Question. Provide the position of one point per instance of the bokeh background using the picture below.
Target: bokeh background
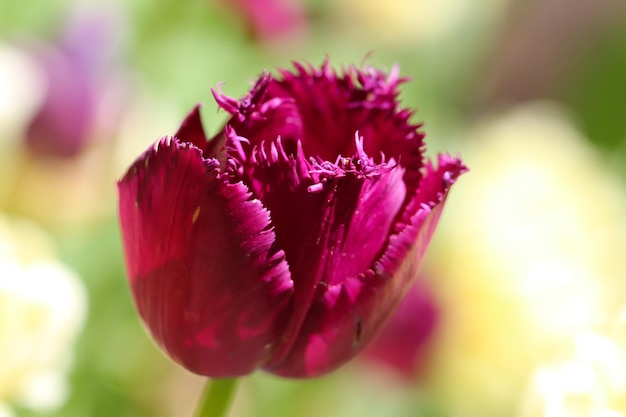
(520, 309)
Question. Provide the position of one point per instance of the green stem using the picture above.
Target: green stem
(216, 397)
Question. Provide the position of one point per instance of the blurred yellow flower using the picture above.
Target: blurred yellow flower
(42, 308)
(537, 233)
(407, 21)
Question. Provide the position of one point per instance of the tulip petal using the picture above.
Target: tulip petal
(334, 106)
(261, 118)
(324, 110)
(190, 236)
(350, 314)
(332, 220)
(191, 129)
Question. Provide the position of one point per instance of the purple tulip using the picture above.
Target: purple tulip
(286, 241)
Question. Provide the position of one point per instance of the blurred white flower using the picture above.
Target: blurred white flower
(42, 308)
(590, 381)
(536, 233)
(5, 411)
(22, 88)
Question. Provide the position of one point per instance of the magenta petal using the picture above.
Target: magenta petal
(337, 218)
(349, 315)
(261, 118)
(191, 129)
(193, 243)
(333, 230)
(323, 110)
(331, 107)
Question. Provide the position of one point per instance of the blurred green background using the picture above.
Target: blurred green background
(532, 94)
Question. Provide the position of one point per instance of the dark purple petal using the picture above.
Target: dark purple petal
(324, 110)
(206, 282)
(331, 219)
(332, 222)
(351, 313)
(192, 131)
(333, 107)
(262, 119)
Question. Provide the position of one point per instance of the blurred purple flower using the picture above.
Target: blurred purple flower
(403, 343)
(74, 68)
(281, 243)
(62, 124)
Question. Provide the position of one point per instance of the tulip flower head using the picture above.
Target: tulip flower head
(286, 241)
